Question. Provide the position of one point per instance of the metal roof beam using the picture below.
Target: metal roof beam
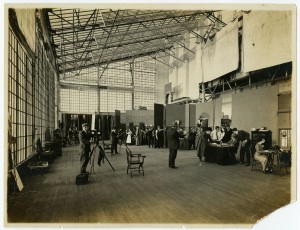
(73, 61)
(117, 45)
(108, 61)
(104, 46)
(54, 31)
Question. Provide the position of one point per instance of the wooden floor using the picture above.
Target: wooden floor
(191, 194)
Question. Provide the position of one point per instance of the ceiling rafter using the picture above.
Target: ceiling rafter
(83, 38)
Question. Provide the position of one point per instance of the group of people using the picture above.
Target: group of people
(72, 136)
(203, 136)
(155, 138)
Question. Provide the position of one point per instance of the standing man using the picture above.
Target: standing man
(244, 139)
(137, 136)
(227, 134)
(149, 136)
(159, 138)
(84, 147)
(216, 134)
(114, 140)
(173, 143)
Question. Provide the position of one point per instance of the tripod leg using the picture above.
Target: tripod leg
(109, 163)
(92, 170)
(101, 151)
(92, 165)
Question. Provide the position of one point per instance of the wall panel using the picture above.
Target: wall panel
(256, 108)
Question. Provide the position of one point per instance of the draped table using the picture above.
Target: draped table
(222, 154)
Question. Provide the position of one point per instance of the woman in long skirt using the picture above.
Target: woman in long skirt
(129, 134)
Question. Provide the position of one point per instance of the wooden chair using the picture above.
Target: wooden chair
(254, 162)
(106, 147)
(135, 162)
(44, 155)
(283, 161)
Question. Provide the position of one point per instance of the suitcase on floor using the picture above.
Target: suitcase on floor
(38, 166)
(82, 178)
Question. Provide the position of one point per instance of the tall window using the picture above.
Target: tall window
(285, 138)
(20, 99)
(118, 86)
(30, 97)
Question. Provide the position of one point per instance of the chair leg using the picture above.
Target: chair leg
(141, 167)
(280, 170)
(253, 164)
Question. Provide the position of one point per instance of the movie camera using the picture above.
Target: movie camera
(96, 136)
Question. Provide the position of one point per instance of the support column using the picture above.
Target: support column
(132, 83)
(98, 91)
(203, 87)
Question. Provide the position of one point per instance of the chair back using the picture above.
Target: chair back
(39, 146)
(128, 154)
(284, 159)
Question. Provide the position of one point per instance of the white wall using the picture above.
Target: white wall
(187, 75)
(162, 78)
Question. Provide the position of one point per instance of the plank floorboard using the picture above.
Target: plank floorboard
(191, 194)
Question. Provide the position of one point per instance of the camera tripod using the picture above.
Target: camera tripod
(101, 157)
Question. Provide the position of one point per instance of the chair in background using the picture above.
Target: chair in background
(254, 162)
(106, 147)
(135, 162)
(283, 160)
(44, 154)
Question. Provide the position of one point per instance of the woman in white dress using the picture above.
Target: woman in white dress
(129, 134)
(259, 154)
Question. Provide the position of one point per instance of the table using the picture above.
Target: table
(221, 154)
(270, 158)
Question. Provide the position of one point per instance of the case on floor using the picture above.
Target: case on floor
(38, 166)
(82, 178)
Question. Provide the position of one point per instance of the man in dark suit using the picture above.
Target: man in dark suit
(227, 136)
(84, 147)
(114, 141)
(173, 143)
(244, 138)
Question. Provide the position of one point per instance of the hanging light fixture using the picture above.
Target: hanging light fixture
(198, 40)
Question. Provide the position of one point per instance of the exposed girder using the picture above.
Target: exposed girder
(83, 38)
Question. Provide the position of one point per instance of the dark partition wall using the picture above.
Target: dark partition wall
(85, 118)
(158, 115)
(175, 112)
(117, 118)
(106, 127)
(75, 121)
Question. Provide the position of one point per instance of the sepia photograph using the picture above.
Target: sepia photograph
(139, 115)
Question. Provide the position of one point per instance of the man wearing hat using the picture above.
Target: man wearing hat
(84, 147)
(173, 143)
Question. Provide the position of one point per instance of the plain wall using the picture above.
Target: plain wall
(212, 109)
(256, 108)
(138, 116)
(162, 78)
(192, 115)
(176, 112)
